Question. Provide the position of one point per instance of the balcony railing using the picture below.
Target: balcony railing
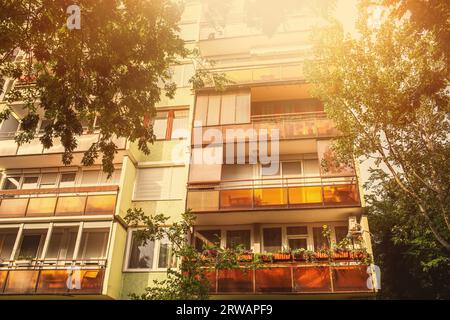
(282, 193)
(57, 202)
(289, 126)
(82, 277)
(294, 278)
(9, 147)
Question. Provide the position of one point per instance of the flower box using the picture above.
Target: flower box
(322, 256)
(341, 255)
(245, 257)
(282, 257)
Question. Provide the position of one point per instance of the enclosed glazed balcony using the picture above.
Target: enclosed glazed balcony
(274, 193)
(53, 258)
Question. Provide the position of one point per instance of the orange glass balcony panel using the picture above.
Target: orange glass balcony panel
(70, 205)
(91, 281)
(53, 281)
(305, 195)
(3, 276)
(104, 204)
(201, 201)
(236, 199)
(13, 207)
(341, 194)
(41, 207)
(273, 280)
(210, 276)
(235, 280)
(350, 278)
(21, 281)
(268, 197)
(312, 279)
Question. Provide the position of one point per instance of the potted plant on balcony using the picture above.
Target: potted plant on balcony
(283, 255)
(24, 261)
(246, 256)
(209, 254)
(323, 254)
(264, 257)
(303, 254)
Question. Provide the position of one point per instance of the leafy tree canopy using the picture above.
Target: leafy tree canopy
(387, 92)
(115, 67)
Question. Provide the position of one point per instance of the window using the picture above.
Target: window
(171, 124)
(90, 177)
(230, 108)
(7, 240)
(62, 243)
(238, 237)
(93, 244)
(30, 182)
(159, 184)
(31, 244)
(297, 237)
(181, 74)
(292, 169)
(149, 255)
(180, 124)
(11, 183)
(206, 238)
(67, 179)
(320, 242)
(48, 180)
(340, 233)
(237, 171)
(272, 239)
(44, 124)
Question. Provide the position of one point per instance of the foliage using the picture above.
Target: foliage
(386, 92)
(188, 280)
(414, 265)
(114, 68)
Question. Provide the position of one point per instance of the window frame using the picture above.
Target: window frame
(156, 253)
(169, 126)
(223, 233)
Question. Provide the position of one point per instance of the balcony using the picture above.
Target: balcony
(80, 280)
(290, 126)
(74, 201)
(291, 278)
(273, 193)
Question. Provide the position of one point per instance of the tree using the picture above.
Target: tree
(386, 92)
(115, 67)
(414, 265)
(187, 277)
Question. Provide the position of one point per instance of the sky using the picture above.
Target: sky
(346, 13)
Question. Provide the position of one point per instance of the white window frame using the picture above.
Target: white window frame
(156, 253)
(223, 232)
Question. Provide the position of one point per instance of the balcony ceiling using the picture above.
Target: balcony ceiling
(277, 216)
(283, 92)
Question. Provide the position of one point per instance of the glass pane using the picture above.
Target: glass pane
(340, 233)
(320, 242)
(13, 207)
(114, 179)
(201, 109)
(180, 124)
(62, 243)
(292, 169)
(41, 206)
(228, 112)
(164, 253)
(212, 239)
(297, 244)
(21, 281)
(104, 204)
(70, 205)
(305, 195)
(342, 194)
(11, 183)
(141, 255)
(311, 168)
(90, 177)
(297, 230)
(67, 179)
(160, 125)
(231, 199)
(237, 171)
(238, 237)
(203, 200)
(48, 180)
(7, 240)
(272, 239)
(213, 110)
(30, 182)
(93, 244)
(270, 197)
(243, 108)
(31, 245)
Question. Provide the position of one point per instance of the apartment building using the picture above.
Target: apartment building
(62, 231)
